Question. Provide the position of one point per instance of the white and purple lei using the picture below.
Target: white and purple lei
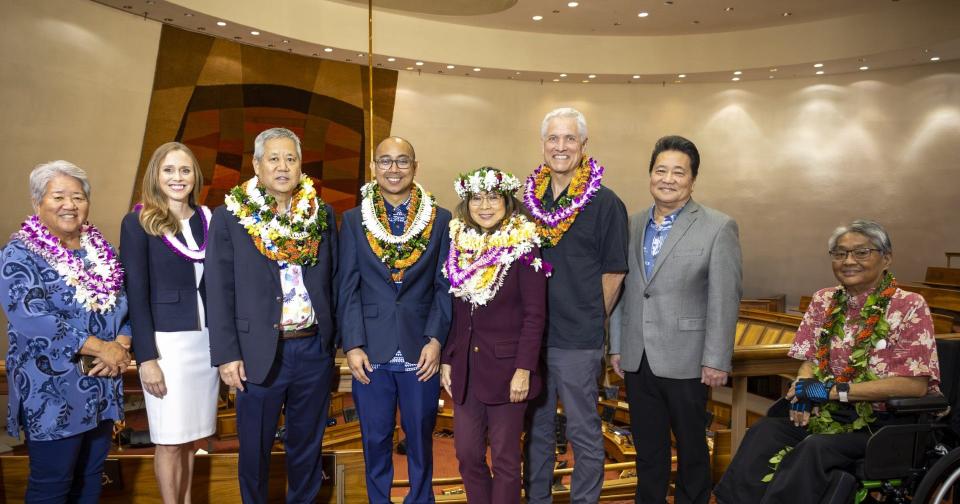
(561, 213)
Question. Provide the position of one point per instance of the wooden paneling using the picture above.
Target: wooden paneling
(943, 277)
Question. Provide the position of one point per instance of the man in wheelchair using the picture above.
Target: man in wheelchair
(861, 343)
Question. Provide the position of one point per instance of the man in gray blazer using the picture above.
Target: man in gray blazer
(671, 336)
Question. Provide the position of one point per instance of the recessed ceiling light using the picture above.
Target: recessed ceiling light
(450, 67)
(682, 75)
(537, 18)
(573, 4)
(935, 58)
(818, 65)
(254, 32)
(419, 63)
(476, 69)
(735, 79)
(643, 14)
(728, 9)
(774, 69)
(678, 82)
(585, 81)
(770, 77)
(864, 67)
(819, 72)
(221, 23)
(327, 49)
(391, 60)
(787, 14)
(592, 76)
(563, 75)
(409, 68)
(360, 55)
(188, 14)
(285, 41)
(556, 80)
(636, 76)
(518, 73)
(738, 72)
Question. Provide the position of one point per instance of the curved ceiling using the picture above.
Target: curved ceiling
(749, 42)
(443, 8)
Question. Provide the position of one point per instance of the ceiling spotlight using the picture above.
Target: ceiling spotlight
(643, 14)
(359, 55)
(682, 75)
(735, 79)
(585, 81)
(254, 32)
(537, 18)
(738, 72)
(450, 67)
(285, 41)
(563, 75)
(818, 65)
(935, 58)
(221, 23)
(327, 49)
(864, 67)
(409, 68)
(419, 63)
(787, 14)
(592, 76)
(573, 4)
(770, 77)
(556, 80)
(391, 59)
(774, 69)
(636, 76)
(819, 72)
(728, 9)
(476, 69)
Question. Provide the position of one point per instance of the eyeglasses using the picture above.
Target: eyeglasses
(860, 254)
(493, 200)
(402, 162)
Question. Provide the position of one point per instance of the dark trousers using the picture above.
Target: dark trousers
(657, 406)
(68, 469)
(298, 383)
(804, 473)
(376, 404)
(473, 423)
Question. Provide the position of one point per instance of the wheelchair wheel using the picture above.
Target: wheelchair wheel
(940, 482)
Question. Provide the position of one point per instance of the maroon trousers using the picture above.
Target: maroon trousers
(473, 424)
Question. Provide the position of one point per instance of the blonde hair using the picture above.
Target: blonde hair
(155, 216)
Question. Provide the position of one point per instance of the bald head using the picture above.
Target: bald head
(394, 144)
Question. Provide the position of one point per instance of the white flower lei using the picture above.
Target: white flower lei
(471, 281)
(485, 180)
(270, 230)
(375, 227)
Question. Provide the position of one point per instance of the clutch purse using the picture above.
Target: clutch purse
(85, 364)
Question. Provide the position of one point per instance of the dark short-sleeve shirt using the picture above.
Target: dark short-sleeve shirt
(595, 244)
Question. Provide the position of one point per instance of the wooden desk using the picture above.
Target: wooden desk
(621, 410)
(618, 447)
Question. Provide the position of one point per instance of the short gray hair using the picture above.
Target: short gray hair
(271, 134)
(565, 112)
(44, 173)
(877, 235)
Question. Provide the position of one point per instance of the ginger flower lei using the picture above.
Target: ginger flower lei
(292, 237)
(553, 224)
(397, 252)
(97, 285)
(479, 262)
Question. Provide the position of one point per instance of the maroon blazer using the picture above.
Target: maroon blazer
(496, 339)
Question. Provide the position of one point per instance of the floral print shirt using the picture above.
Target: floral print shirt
(910, 348)
(297, 310)
(49, 398)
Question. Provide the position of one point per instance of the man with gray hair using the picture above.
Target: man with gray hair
(583, 228)
(270, 293)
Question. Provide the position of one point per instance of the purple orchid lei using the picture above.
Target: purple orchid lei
(459, 276)
(561, 212)
(97, 286)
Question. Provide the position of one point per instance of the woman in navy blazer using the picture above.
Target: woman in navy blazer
(490, 361)
(162, 248)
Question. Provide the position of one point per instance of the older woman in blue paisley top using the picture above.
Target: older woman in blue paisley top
(61, 287)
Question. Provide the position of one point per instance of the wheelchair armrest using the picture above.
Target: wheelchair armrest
(930, 403)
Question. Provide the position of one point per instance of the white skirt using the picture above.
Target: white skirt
(189, 410)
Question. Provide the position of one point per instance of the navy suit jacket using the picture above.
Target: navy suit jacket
(245, 298)
(372, 313)
(489, 343)
(161, 287)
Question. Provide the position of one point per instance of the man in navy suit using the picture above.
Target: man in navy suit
(394, 315)
(269, 287)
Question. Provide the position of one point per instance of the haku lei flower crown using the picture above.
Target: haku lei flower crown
(285, 237)
(485, 179)
(553, 224)
(174, 244)
(96, 286)
(397, 252)
(479, 262)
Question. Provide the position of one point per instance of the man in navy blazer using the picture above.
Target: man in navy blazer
(271, 321)
(394, 315)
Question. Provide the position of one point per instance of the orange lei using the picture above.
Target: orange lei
(400, 264)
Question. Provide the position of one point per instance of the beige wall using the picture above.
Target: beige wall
(789, 159)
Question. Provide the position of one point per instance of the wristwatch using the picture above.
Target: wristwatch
(843, 389)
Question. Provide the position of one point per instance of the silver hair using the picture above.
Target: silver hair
(877, 235)
(565, 112)
(44, 173)
(270, 134)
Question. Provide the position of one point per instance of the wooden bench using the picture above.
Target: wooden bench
(948, 278)
(944, 299)
(772, 304)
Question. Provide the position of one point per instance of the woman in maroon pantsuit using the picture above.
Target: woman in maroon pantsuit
(490, 360)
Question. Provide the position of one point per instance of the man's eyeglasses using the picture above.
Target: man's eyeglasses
(402, 162)
(860, 254)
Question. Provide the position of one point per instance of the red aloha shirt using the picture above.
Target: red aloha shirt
(910, 348)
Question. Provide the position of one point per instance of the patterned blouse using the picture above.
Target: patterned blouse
(49, 398)
(910, 348)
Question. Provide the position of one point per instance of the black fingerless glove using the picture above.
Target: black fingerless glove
(812, 390)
